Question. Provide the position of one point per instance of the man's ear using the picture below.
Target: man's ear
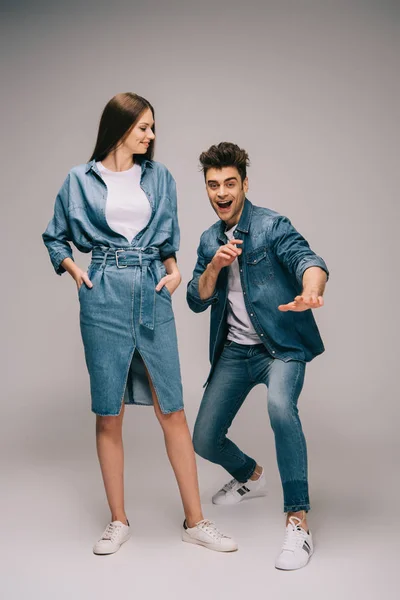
(246, 185)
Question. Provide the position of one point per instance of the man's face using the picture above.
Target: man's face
(226, 193)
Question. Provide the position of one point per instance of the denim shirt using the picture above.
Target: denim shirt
(79, 214)
(271, 266)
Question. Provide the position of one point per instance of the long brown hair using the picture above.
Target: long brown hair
(119, 116)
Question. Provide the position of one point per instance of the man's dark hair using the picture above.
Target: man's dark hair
(223, 155)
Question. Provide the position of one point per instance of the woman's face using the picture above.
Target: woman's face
(138, 139)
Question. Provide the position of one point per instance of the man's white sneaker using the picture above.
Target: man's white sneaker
(115, 534)
(297, 547)
(234, 491)
(206, 534)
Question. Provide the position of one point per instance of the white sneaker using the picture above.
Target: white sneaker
(115, 534)
(297, 547)
(206, 534)
(234, 491)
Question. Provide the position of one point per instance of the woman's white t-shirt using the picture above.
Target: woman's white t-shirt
(128, 210)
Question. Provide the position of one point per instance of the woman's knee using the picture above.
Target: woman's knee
(172, 420)
(108, 425)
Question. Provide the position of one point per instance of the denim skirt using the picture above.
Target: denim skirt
(127, 328)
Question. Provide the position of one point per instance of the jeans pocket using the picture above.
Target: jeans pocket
(90, 273)
(166, 290)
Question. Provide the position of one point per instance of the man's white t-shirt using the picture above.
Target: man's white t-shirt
(128, 210)
(241, 329)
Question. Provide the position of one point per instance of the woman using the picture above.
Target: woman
(122, 207)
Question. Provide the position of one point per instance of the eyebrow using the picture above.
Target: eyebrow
(225, 180)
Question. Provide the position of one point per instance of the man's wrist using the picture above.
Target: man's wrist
(312, 291)
(212, 269)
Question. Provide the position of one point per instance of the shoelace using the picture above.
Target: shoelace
(294, 536)
(230, 485)
(110, 531)
(210, 528)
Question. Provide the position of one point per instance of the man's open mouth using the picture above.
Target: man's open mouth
(225, 204)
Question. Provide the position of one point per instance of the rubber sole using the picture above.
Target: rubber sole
(216, 547)
(114, 551)
(295, 568)
(260, 495)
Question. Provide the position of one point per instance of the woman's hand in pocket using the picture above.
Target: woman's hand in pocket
(76, 273)
(171, 282)
(82, 278)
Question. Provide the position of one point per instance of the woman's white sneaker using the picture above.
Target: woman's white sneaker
(297, 547)
(205, 533)
(234, 491)
(115, 534)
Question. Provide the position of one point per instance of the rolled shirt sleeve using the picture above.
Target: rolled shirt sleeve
(194, 301)
(171, 246)
(292, 249)
(58, 235)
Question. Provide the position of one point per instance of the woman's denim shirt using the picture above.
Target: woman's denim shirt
(79, 214)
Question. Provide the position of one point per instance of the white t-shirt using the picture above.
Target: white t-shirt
(241, 329)
(128, 209)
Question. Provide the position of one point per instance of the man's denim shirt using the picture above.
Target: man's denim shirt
(79, 214)
(271, 265)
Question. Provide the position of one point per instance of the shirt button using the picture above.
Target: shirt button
(261, 334)
(273, 351)
(241, 270)
(251, 314)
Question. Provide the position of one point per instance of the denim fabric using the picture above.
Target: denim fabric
(115, 315)
(79, 214)
(238, 370)
(272, 265)
(124, 321)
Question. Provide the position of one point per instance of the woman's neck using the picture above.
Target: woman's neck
(118, 160)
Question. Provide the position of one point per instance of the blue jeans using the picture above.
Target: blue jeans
(238, 370)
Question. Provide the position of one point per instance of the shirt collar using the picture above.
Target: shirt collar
(144, 163)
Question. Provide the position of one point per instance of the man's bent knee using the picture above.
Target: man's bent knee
(204, 445)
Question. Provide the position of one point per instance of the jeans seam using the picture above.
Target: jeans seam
(161, 404)
(302, 441)
(126, 380)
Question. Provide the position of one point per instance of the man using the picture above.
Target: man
(261, 279)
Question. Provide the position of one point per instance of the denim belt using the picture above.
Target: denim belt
(134, 257)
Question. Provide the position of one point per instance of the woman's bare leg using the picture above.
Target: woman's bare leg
(110, 451)
(178, 443)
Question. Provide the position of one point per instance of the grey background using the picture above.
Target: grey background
(311, 90)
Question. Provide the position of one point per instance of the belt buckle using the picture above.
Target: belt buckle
(117, 261)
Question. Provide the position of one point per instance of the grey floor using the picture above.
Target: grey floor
(53, 509)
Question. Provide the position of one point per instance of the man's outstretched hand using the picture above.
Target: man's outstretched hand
(303, 302)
